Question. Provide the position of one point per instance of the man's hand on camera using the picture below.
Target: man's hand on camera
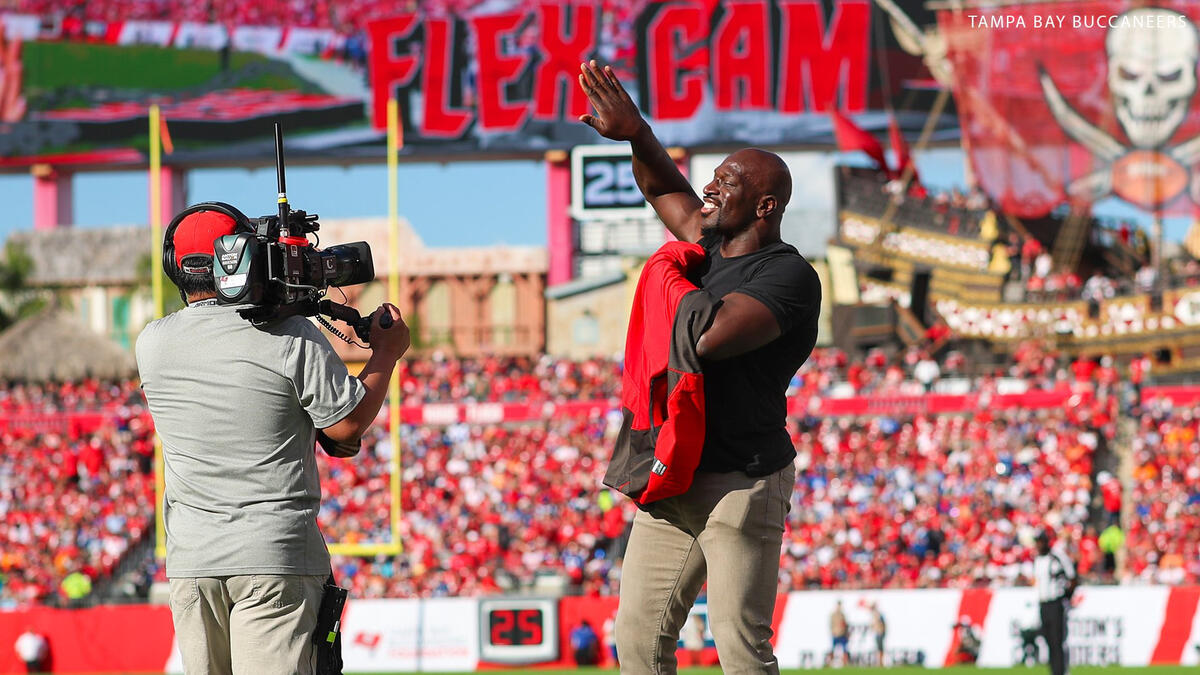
(387, 346)
(394, 340)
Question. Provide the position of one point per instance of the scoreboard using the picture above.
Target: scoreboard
(602, 184)
(613, 220)
(518, 631)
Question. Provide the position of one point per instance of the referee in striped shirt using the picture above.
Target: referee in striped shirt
(1054, 574)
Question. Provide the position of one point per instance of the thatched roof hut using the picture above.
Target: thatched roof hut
(52, 346)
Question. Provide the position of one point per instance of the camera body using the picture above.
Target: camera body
(274, 267)
(271, 270)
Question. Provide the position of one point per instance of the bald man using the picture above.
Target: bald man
(728, 527)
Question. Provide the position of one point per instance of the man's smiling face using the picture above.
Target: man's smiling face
(729, 205)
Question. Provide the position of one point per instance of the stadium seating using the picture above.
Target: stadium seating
(71, 502)
(891, 500)
(936, 501)
(440, 379)
(485, 508)
(1163, 544)
(910, 502)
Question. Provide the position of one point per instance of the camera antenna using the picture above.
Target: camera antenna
(284, 209)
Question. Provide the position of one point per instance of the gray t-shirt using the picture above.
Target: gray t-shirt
(237, 408)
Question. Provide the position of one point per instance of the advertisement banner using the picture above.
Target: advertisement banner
(1126, 625)
(918, 632)
(440, 414)
(704, 72)
(120, 638)
(411, 635)
(1012, 626)
(1181, 642)
(1074, 102)
(1106, 625)
(600, 613)
(1176, 395)
(500, 76)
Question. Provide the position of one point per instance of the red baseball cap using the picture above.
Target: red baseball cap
(196, 232)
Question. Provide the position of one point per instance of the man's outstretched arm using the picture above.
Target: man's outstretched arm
(618, 118)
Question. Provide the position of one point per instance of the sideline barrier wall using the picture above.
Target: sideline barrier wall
(402, 634)
(120, 638)
(1126, 625)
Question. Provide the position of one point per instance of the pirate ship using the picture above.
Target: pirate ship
(1061, 105)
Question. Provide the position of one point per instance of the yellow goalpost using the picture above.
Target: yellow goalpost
(394, 142)
(394, 546)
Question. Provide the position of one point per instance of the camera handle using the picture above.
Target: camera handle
(360, 324)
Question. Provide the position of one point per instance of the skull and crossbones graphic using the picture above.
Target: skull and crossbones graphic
(1152, 59)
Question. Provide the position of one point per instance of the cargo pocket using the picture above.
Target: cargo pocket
(185, 591)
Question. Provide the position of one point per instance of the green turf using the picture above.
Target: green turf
(50, 65)
(907, 670)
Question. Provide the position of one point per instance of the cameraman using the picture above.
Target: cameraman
(238, 408)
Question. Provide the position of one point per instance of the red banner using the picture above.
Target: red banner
(73, 424)
(1180, 395)
(933, 404)
(1074, 102)
(780, 57)
(496, 413)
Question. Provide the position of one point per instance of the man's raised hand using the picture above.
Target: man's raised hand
(616, 115)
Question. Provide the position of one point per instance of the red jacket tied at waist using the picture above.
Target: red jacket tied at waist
(662, 394)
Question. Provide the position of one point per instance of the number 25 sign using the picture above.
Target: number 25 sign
(602, 184)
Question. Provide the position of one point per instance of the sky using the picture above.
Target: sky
(461, 204)
(448, 204)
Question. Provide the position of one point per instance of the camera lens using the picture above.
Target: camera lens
(347, 264)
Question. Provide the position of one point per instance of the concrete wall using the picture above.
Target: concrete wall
(591, 323)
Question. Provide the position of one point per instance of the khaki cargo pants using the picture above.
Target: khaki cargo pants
(727, 528)
(246, 625)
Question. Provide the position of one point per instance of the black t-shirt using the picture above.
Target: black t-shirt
(745, 396)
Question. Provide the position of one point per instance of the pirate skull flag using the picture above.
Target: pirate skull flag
(1071, 102)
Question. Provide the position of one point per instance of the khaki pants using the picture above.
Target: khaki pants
(246, 625)
(727, 528)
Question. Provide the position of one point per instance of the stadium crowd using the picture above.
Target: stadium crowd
(441, 379)
(891, 500)
(1163, 543)
(71, 502)
(88, 395)
(888, 502)
(485, 508)
(924, 501)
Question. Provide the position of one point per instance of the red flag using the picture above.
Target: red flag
(851, 138)
(168, 146)
(903, 158)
